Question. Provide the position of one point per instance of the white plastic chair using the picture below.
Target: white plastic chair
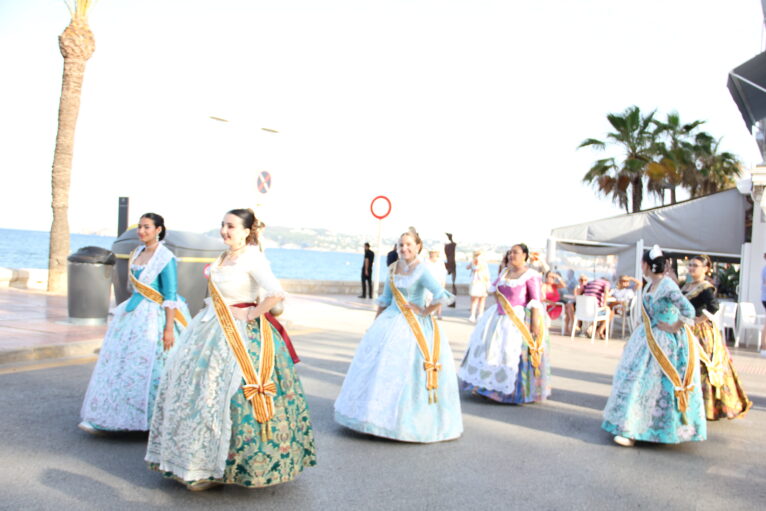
(627, 312)
(587, 309)
(748, 319)
(562, 316)
(728, 319)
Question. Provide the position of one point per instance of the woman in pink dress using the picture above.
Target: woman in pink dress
(508, 355)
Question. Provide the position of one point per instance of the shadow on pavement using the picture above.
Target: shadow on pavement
(575, 374)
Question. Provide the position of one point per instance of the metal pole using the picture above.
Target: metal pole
(375, 284)
(122, 215)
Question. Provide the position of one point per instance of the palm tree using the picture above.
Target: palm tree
(716, 170)
(77, 45)
(623, 179)
(675, 161)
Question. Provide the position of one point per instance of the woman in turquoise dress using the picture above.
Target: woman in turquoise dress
(122, 388)
(402, 383)
(230, 408)
(656, 394)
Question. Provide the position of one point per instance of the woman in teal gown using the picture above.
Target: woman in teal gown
(644, 404)
(123, 386)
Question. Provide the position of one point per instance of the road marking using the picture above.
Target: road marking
(48, 365)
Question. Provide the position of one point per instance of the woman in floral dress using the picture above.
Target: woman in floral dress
(230, 408)
(123, 386)
(656, 394)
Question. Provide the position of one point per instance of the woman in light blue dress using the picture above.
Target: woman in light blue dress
(402, 383)
(645, 405)
(122, 388)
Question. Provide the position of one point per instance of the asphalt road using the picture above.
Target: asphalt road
(549, 456)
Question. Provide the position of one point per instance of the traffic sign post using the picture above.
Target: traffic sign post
(386, 203)
(264, 182)
(263, 185)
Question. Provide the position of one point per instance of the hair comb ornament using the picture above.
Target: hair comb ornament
(655, 252)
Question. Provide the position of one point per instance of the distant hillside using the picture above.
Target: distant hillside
(323, 239)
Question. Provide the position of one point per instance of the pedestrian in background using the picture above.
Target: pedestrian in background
(478, 286)
(369, 257)
(391, 257)
(451, 265)
(438, 269)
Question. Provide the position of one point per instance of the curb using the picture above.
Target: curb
(51, 352)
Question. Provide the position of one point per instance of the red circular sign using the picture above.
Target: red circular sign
(372, 207)
(264, 182)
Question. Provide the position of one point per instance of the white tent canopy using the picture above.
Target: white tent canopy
(714, 225)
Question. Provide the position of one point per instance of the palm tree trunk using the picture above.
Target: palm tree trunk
(673, 194)
(77, 45)
(637, 193)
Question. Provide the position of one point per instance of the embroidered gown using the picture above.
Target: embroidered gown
(497, 364)
(384, 392)
(642, 405)
(203, 428)
(728, 398)
(122, 388)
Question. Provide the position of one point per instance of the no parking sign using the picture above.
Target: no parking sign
(264, 181)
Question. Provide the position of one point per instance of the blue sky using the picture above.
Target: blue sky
(467, 114)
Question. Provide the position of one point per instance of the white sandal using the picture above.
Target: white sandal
(623, 441)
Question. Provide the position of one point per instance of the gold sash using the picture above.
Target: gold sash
(152, 294)
(259, 388)
(715, 364)
(681, 388)
(535, 346)
(431, 361)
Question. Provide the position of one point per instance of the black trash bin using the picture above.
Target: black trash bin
(89, 283)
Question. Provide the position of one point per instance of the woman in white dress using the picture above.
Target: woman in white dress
(230, 408)
(478, 287)
(122, 388)
(401, 383)
(438, 270)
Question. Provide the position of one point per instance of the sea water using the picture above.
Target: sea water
(29, 249)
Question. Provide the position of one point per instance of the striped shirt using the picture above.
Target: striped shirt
(597, 288)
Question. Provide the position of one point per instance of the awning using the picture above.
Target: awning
(714, 224)
(747, 85)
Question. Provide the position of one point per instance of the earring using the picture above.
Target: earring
(157, 237)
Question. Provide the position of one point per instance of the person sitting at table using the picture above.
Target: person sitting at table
(599, 288)
(622, 295)
(550, 293)
(569, 308)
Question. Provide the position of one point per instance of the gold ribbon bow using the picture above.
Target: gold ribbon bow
(259, 388)
(681, 388)
(432, 374)
(431, 364)
(535, 346)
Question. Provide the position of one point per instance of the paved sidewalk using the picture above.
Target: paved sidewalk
(34, 326)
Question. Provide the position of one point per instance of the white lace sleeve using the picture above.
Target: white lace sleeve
(260, 271)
